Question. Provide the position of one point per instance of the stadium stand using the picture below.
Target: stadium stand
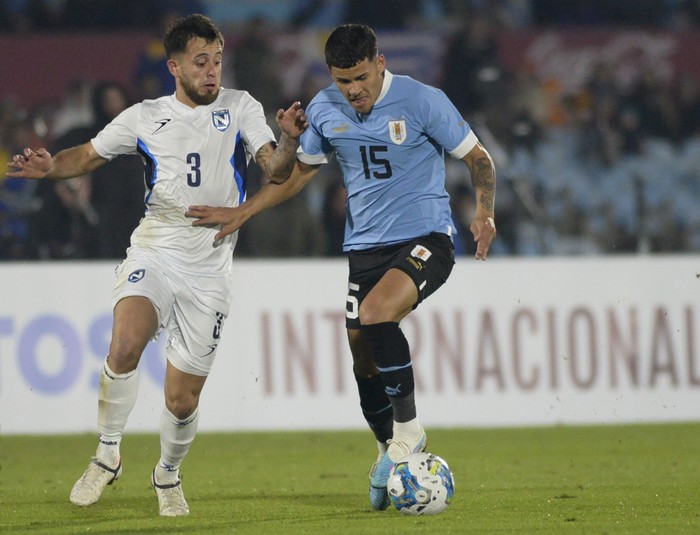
(592, 114)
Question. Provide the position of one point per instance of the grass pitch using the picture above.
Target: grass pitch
(634, 479)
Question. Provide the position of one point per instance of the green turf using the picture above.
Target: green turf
(634, 479)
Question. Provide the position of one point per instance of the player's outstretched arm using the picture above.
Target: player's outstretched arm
(278, 160)
(270, 195)
(483, 174)
(68, 163)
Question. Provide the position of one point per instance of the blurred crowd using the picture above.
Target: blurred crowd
(610, 167)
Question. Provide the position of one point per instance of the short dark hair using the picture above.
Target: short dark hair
(186, 28)
(350, 44)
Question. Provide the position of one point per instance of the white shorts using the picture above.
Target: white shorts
(191, 309)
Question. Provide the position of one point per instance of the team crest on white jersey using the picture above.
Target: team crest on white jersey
(221, 119)
(136, 275)
(397, 131)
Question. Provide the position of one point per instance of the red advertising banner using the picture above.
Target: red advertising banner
(569, 56)
(40, 68)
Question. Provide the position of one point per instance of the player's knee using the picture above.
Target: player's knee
(182, 407)
(372, 312)
(122, 358)
(365, 368)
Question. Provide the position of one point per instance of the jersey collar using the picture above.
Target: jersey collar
(388, 77)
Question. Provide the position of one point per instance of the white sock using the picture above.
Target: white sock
(381, 448)
(116, 399)
(176, 437)
(408, 430)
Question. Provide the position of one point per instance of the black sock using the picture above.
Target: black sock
(393, 358)
(376, 407)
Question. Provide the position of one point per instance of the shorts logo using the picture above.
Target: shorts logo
(221, 119)
(217, 326)
(137, 275)
(397, 131)
(421, 252)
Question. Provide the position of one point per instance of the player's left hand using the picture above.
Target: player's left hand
(229, 219)
(30, 164)
(292, 121)
(484, 231)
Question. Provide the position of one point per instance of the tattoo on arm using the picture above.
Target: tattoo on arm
(280, 162)
(484, 181)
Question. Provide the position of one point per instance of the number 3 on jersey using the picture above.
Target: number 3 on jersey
(194, 176)
(369, 155)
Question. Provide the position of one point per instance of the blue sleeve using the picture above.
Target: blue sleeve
(442, 120)
(313, 141)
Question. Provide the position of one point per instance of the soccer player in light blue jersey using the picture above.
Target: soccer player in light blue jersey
(390, 134)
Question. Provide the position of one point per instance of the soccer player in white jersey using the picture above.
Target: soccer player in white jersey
(196, 145)
(390, 134)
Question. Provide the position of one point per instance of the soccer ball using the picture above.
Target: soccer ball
(421, 484)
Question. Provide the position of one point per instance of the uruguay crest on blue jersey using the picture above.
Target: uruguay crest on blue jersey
(397, 131)
(221, 119)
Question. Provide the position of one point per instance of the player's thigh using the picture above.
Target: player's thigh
(428, 261)
(365, 268)
(196, 326)
(391, 299)
(145, 275)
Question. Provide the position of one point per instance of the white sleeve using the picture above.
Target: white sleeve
(318, 159)
(465, 146)
(119, 136)
(254, 128)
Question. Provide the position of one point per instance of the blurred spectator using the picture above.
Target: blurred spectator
(256, 66)
(387, 14)
(687, 96)
(118, 188)
(462, 204)
(318, 13)
(599, 12)
(92, 216)
(17, 199)
(152, 77)
(65, 228)
(654, 103)
(472, 76)
(75, 110)
(290, 230)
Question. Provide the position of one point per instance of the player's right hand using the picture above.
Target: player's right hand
(30, 164)
(293, 120)
(484, 231)
(229, 219)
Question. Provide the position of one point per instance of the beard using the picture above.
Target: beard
(198, 98)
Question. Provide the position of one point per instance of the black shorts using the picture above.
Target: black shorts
(427, 260)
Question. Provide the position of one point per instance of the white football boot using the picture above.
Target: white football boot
(171, 499)
(88, 489)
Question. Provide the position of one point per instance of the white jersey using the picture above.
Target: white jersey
(192, 156)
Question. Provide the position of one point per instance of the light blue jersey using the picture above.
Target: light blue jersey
(392, 159)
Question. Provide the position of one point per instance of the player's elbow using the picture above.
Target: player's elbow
(278, 179)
